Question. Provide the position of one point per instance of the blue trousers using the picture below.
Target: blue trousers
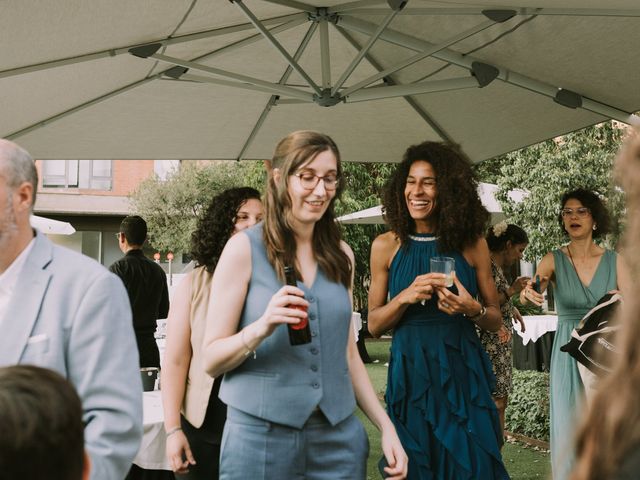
(253, 448)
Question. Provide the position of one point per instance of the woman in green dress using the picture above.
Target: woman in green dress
(581, 273)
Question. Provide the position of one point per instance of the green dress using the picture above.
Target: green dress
(567, 392)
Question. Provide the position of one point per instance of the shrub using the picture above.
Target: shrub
(528, 409)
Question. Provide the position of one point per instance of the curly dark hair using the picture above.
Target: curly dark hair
(594, 203)
(215, 226)
(513, 234)
(460, 216)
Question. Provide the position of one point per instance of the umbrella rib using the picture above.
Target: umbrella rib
(112, 52)
(377, 93)
(416, 58)
(274, 98)
(345, 7)
(78, 108)
(281, 89)
(412, 103)
(363, 51)
(576, 12)
(465, 61)
(271, 39)
(305, 7)
(325, 57)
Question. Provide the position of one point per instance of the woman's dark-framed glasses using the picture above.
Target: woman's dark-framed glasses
(580, 212)
(309, 180)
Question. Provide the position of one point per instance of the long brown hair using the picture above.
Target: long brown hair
(611, 429)
(292, 152)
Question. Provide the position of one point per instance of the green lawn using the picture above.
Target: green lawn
(522, 462)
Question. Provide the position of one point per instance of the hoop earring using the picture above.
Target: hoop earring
(595, 227)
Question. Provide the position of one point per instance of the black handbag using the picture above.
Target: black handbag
(593, 342)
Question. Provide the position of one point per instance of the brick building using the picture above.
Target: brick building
(92, 195)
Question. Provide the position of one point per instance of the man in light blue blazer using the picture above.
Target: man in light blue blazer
(61, 310)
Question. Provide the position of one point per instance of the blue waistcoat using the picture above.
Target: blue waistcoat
(285, 383)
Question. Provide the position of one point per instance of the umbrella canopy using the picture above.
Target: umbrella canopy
(50, 226)
(223, 79)
(486, 191)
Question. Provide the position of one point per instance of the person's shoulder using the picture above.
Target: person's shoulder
(476, 247)
(346, 248)
(76, 261)
(75, 266)
(387, 240)
(240, 243)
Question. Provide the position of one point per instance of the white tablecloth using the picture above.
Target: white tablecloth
(536, 326)
(151, 455)
(356, 322)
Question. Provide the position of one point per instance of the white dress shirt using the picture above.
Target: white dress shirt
(9, 278)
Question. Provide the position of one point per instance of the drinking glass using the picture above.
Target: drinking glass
(446, 265)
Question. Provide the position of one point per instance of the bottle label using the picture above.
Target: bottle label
(303, 321)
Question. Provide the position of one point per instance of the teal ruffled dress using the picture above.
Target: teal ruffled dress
(440, 380)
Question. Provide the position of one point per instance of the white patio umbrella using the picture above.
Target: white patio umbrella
(221, 79)
(50, 226)
(486, 191)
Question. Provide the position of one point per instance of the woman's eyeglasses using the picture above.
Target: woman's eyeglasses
(580, 212)
(309, 180)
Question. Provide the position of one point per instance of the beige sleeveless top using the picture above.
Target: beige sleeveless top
(199, 383)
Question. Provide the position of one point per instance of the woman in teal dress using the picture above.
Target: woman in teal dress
(440, 378)
(581, 273)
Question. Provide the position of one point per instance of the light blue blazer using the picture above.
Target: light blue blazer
(70, 314)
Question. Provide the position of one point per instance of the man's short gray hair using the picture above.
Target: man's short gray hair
(18, 166)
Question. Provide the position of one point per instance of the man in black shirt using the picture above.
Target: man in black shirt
(146, 284)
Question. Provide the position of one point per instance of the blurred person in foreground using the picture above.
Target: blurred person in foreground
(506, 243)
(581, 272)
(42, 434)
(608, 441)
(290, 408)
(193, 414)
(440, 379)
(62, 310)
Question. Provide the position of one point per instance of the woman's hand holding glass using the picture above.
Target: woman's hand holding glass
(422, 288)
(286, 306)
(463, 302)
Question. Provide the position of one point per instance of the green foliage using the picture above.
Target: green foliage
(173, 206)
(528, 309)
(364, 182)
(528, 409)
(551, 168)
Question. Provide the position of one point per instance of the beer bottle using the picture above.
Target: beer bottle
(299, 333)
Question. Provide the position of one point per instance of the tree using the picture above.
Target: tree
(172, 207)
(548, 169)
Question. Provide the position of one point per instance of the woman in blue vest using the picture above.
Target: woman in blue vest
(291, 408)
(440, 379)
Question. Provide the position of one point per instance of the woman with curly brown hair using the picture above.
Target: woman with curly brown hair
(193, 414)
(440, 380)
